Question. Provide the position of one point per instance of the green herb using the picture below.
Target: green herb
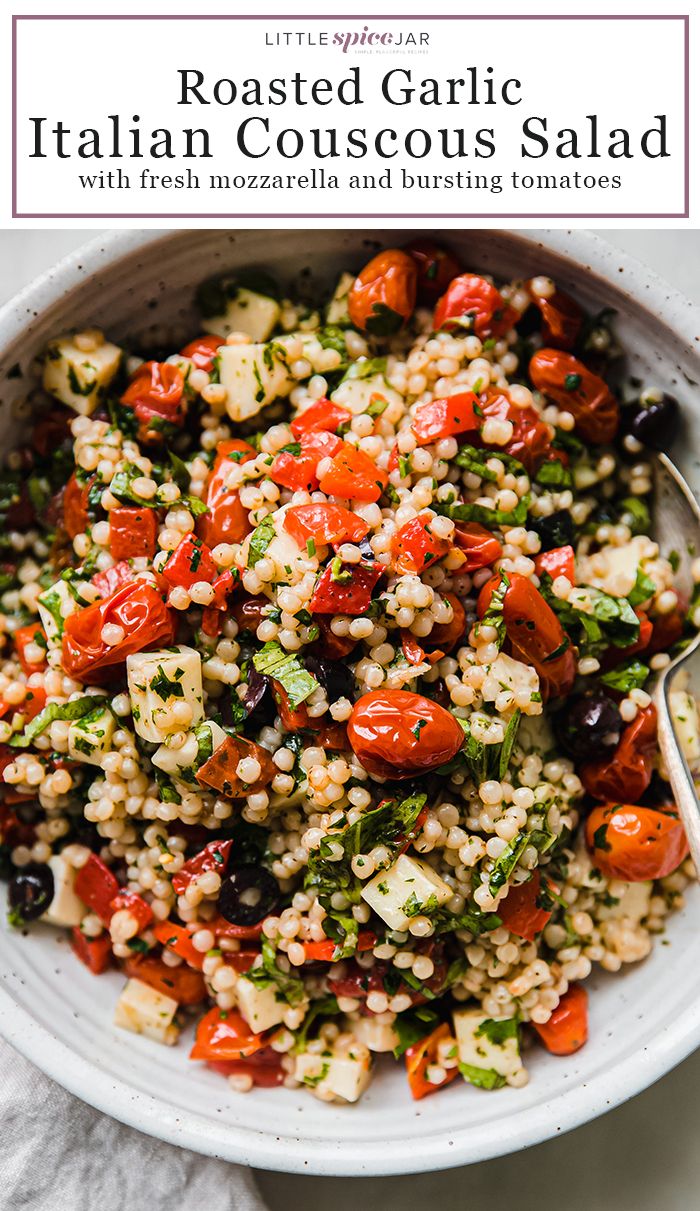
(612, 621)
(473, 460)
(483, 514)
(572, 382)
(367, 368)
(288, 670)
(504, 866)
(493, 616)
(139, 945)
(339, 573)
(644, 588)
(322, 1008)
(165, 687)
(196, 506)
(377, 406)
(483, 1078)
(496, 1032)
(412, 1026)
(260, 540)
(289, 988)
(312, 1081)
(55, 710)
(507, 745)
(554, 474)
(634, 512)
(631, 675)
(383, 321)
(600, 838)
(310, 547)
(181, 475)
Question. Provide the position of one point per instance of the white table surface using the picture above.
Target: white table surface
(643, 1156)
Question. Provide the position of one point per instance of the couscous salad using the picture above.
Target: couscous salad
(325, 722)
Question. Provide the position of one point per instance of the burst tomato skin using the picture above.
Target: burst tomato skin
(202, 351)
(520, 911)
(353, 596)
(155, 394)
(414, 547)
(534, 632)
(625, 775)
(561, 318)
(635, 843)
(322, 415)
(436, 266)
(479, 545)
(473, 303)
(575, 389)
(24, 636)
(225, 1035)
(138, 608)
(213, 856)
(227, 520)
(446, 635)
(397, 734)
(445, 417)
(383, 295)
(567, 1029)
(420, 1056)
(531, 441)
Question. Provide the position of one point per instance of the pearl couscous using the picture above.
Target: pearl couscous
(324, 699)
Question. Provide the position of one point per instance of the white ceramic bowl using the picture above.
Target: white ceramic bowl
(51, 1009)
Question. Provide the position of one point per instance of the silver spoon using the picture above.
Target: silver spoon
(677, 528)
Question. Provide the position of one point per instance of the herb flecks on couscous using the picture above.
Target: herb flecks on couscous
(324, 697)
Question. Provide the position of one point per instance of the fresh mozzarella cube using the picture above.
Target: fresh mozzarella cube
(182, 762)
(144, 1011)
(262, 1007)
(337, 310)
(254, 376)
(55, 604)
(65, 908)
(406, 889)
(614, 569)
(376, 1036)
(684, 712)
(272, 541)
(343, 1075)
(157, 681)
(246, 311)
(80, 379)
(632, 904)
(506, 673)
(487, 1048)
(356, 393)
(90, 738)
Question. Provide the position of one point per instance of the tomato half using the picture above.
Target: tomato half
(397, 734)
(414, 547)
(226, 520)
(626, 773)
(222, 1034)
(521, 912)
(383, 295)
(436, 266)
(575, 389)
(635, 843)
(203, 350)
(145, 619)
(534, 632)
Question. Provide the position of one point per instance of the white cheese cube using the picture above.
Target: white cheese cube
(65, 908)
(632, 904)
(55, 604)
(175, 761)
(345, 1076)
(684, 713)
(356, 393)
(79, 379)
(158, 680)
(246, 311)
(506, 673)
(254, 376)
(263, 1007)
(290, 562)
(90, 738)
(376, 1036)
(404, 890)
(337, 309)
(143, 1010)
(481, 1045)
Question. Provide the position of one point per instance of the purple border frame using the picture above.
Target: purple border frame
(684, 18)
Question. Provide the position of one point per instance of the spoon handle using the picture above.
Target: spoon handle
(679, 775)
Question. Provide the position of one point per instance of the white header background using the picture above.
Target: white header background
(82, 71)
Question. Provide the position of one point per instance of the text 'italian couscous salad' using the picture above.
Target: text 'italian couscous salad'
(323, 699)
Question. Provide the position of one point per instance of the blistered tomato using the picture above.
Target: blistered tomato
(635, 843)
(397, 734)
(383, 295)
(575, 389)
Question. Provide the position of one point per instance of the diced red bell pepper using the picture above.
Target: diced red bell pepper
(214, 856)
(75, 506)
(414, 547)
(321, 415)
(351, 596)
(567, 1029)
(184, 985)
(353, 475)
(423, 1055)
(324, 952)
(33, 633)
(222, 1034)
(95, 953)
(34, 703)
(557, 562)
(521, 912)
(114, 578)
(298, 471)
(96, 885)
(445, 417)
(132, 533)
(139, 908)
(203, 350)
(480, 546)
(413, 651)
(189, 562)
(227, 520)
(244, 933)
(324, 523)
(179, 940)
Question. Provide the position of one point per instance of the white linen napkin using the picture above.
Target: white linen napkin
(58, 1154)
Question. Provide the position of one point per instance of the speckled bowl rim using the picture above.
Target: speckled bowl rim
(148, 1113)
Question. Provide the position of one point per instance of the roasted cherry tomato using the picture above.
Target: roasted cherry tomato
(75, 506)
(436, 265)
(141, 613)
(95, 953)
(531, 441)
(561, 318)
(322, 415)
(131, 901)
(413, 651)
(521, 911)
(383, 296)
(23, 637)
(346, 589)
(445, 417)
(575, 389)
(113, 578)
(635, 843)
(625, 773)
(353, 475)
(155, 394)
(666, 630)
(132, 533)
(184, 985)
(419, 1057)
(222, 1034)
(558, 562)
(397, 734)
(179, 940)
(358, 981)
(445, 635)
(297, 470)
(227, 520)
(324, 952)
(567, 1029)
(203, 351)
(480, 546)
(219, 771)
(190, 562)
(534, 632)
(213, 856)
(414, 547)
(96, 885)
(323, 524)
(474, 305)
(264, 1068)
